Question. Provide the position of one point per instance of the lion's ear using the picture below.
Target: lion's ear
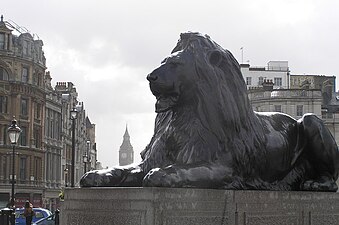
(215, 57)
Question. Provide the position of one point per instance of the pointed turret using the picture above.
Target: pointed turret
(5, 36)
(126, 135)
(126, 153)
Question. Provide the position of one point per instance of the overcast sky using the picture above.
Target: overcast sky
(107, 47)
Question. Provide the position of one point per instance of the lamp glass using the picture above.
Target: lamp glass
(14, 132)
(74, 113)
(85, 158)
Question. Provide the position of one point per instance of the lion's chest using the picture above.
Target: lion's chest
(178, 139)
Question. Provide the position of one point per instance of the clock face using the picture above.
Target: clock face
(123, 155)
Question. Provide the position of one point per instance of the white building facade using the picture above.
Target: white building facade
(276, 72)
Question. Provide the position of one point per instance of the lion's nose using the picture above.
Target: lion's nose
(152, 77)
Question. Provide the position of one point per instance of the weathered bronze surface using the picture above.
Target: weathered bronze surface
(207, 135)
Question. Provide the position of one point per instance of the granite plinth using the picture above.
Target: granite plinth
(171, 206)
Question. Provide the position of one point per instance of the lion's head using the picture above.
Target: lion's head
(201, 73)
(200, 79)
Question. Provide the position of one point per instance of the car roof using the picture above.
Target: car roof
(35, 209)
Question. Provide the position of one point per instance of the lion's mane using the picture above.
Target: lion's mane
(220, 122)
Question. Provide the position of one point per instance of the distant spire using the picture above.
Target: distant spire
(126, 135)
(126, 153)
(2, 18)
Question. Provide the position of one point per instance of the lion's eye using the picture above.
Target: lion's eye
(174, 64)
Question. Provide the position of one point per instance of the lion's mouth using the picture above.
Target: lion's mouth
(167, 96)
(165, 102)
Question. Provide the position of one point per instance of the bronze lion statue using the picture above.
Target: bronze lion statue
(206, 134)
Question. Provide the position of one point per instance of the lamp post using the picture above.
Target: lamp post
(73, 114)
(13, 133)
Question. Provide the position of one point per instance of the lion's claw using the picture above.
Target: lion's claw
(320, 185)
(157, 178)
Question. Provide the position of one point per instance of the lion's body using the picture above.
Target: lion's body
(207, 135)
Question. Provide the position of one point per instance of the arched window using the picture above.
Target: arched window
(3, 74)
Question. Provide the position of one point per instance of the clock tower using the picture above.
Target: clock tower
(126, 153)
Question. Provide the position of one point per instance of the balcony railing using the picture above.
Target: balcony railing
(283, 93)
(23, 183)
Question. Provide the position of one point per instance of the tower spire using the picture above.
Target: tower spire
(126, 153)
(126, 135)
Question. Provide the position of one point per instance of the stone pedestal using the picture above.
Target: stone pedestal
(164, 206)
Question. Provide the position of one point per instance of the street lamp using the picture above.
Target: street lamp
(73, 114)
(13, 133)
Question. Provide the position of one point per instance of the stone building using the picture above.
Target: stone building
(126, 153)
(53, 145)
(43, 153)
(84, 132)
(23, 95)
(324, 83)
(276, 72)
(294, 102)
(91, 146)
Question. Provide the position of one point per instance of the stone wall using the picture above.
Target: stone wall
(163, 206)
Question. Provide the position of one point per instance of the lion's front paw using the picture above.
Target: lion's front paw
(322, 184)
(159, 178)
(101, 178)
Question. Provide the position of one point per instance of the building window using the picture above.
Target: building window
(3, 104)
(25, 48)
(24, 77)
(329, 115)
(278, 81)
(3, 74)
(300, 110)
(261, 81)
(2, 40)
(37, 168)
(37, 111)
(277, 108)
(37, 138)
(24, 107)
(248, 80)
(23, 136)
(36, 79)
(22, 172)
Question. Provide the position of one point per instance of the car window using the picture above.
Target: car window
(39, 215)
(19, 214)
(50, 218)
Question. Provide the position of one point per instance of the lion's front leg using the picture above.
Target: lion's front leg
(206, 175)
(120, 176)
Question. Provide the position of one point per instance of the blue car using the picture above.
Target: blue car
(40, 213)
(50, 220)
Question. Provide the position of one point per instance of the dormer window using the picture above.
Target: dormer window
(25, 47)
